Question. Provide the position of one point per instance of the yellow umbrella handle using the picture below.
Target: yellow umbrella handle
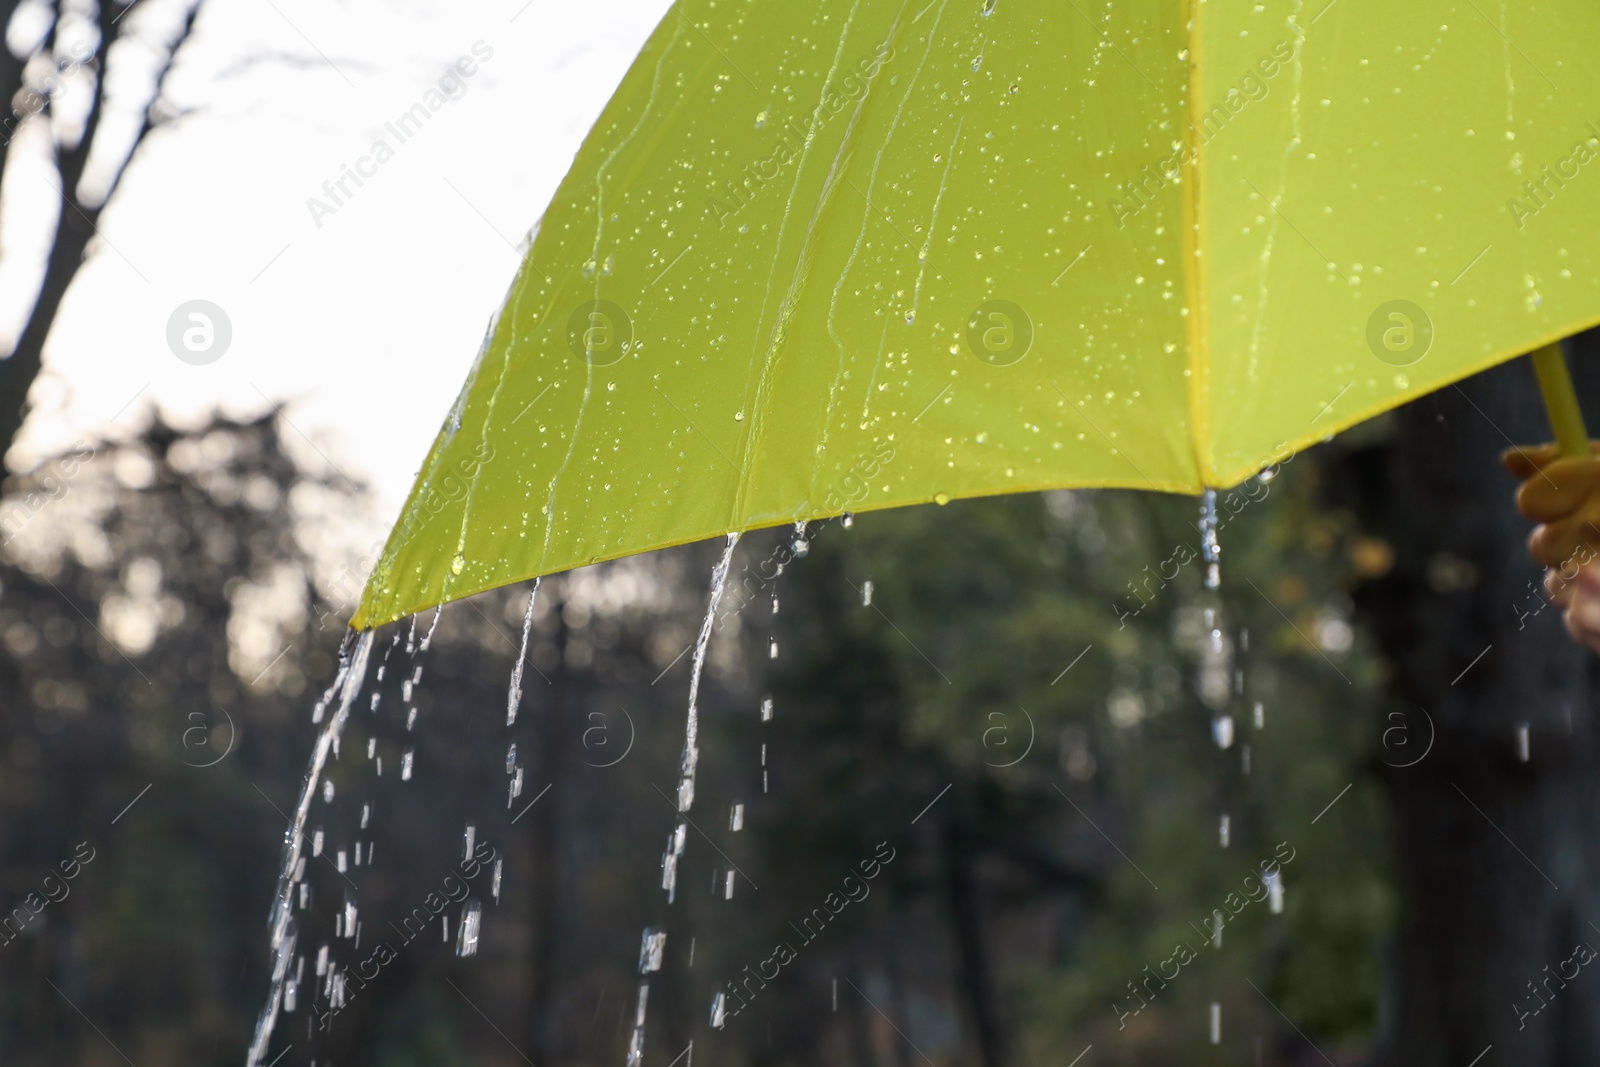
(1560, 400)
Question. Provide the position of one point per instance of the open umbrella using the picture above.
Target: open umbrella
(855, 254)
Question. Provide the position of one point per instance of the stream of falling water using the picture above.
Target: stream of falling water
(347, 683)
(514, 694)
(654, 940)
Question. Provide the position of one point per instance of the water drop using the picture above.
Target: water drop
(511, 758)
(1222, 731)
(467, 930)
(738, 416)
(1209, 548)
(866, 593)
(800, 545)
(1223, 829)
(766, 709)
(457, 563)
(327, 791)
(772, 649)
(736, 818)
(847, 520)
(406, 758)
(941, 499)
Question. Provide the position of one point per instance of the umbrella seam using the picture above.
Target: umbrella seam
(1197, 363)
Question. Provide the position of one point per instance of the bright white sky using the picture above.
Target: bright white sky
(367, 324)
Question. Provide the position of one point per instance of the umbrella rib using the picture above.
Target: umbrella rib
(1107, 440)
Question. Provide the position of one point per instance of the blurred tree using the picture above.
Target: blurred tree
(1496, 841)
(61, 71)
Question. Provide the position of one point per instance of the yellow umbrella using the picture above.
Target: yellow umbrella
(854, 254)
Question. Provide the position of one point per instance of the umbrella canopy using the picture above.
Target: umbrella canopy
(855, 254)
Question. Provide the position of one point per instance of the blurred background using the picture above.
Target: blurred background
(1340, 810)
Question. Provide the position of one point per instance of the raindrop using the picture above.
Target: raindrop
(866, 593)
(736, 818)
(941, 499)
(652, 947)
(1522, 742)
(327, 791)
(316, 842)
(719, 1011)
(511, 758)
(1222, 730)
(848, 520)
(494, 882)
(467, 929)
(469, 837)
(406, 758)
(1209, 548)
(1223, 829)
(1261, 716)
(772, 649)
(727, 892)
(411, 718)
(372, 747)
(1216, 1023)
(766, 709)
(1274, 881)
(800, 545)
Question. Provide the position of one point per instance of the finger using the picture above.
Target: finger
(1583, 621)
(1524, 461)
(1570, 543)
(1559, 488)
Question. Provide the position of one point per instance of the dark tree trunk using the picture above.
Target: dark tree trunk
(966, 912)
(75, 227)
(1497, 859)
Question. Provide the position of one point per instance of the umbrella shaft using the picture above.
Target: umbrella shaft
(1560, 400)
